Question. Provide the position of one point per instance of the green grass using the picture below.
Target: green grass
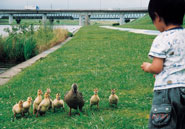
(56, 22)
(39, 22)
(143, 23)
(94, 58)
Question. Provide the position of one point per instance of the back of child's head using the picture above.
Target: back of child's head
(172, 11)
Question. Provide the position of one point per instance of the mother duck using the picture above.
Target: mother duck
(74, 99)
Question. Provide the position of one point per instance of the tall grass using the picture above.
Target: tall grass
(15, 46)
(1, 46)
(59, 36)
(23, 42)
(30, 48)
(47, 37)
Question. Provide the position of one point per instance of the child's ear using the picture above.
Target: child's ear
(157, 17)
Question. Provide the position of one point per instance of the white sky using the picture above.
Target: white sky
(75, 4)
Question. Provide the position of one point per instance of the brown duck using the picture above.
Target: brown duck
(74, 99)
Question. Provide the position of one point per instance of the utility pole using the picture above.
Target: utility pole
(67, 4)
(140, 3)
(100, 4)
(51, 5)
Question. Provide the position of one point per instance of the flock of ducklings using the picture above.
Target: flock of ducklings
(73, 99)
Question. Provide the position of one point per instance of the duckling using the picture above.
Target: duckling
(44, 105)
(57, 103)
(74, 99)
(113, 98)
(49, 91)
(95, 99)
(18, 108)
(37, 101)
(27, 105)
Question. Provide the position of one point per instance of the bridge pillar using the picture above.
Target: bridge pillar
(122, 19)
(81, 20)
(87, 20)
(51, 21)
(84, 19)
(44, 18)
(18, 20)
(10, 19)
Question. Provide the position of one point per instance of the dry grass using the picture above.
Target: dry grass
(51, 38)
(60, 36)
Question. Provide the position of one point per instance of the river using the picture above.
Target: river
(70, 28)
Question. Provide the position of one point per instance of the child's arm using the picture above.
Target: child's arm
(155, 67)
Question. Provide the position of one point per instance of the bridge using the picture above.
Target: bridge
(84, 16)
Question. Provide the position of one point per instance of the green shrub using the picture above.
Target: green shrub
(127, 20)
(43, 35)
(1, 47)
(115, 24)
(19, 45)
(69, 34)
(30, 48)
(9, 48)
(19, 48)
(13, 48)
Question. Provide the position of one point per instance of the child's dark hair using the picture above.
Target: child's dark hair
(172, 11)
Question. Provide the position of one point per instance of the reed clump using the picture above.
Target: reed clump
(25, 41)
(47, 37)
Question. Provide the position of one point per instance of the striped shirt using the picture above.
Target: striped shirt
(170, 45)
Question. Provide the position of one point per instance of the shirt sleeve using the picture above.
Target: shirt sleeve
(159, 47)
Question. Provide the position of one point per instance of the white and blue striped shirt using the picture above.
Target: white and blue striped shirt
(170, 45)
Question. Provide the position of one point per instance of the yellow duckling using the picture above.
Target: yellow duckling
(18, 108)
(48, 91)
(57, 103)
(113, 98)
(27, 105)
(44, 105)
(37, 101)
(95, 99)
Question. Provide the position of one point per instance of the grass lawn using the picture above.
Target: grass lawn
(39, 21)
(94, 58)
(56, 22)
(143, 23)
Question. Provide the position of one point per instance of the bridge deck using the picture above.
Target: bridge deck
(26, 11)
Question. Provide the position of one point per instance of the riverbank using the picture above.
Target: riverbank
(12, 69)
(9, 65)
(26, 41)
(5, 66)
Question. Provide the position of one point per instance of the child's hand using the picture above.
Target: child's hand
(146, 66)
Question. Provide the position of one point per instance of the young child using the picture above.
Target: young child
(168, 63)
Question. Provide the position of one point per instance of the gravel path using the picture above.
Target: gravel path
(138, 31)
